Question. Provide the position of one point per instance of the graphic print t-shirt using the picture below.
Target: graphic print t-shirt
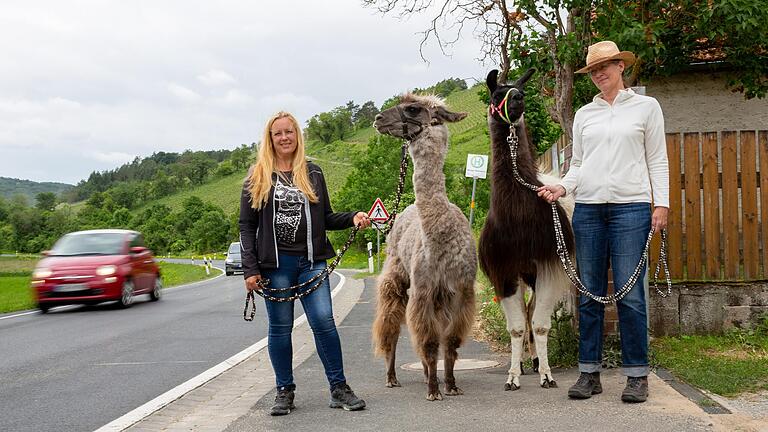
(290, 217)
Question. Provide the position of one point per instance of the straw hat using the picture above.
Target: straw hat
(604, 51)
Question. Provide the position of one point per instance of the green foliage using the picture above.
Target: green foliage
(46, 201)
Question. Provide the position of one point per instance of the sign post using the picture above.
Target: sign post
(477, 166)
(378, 214)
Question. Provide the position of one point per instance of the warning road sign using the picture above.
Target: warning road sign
(378, 213)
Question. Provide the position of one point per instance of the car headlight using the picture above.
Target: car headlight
(106, 270)
(41, 273)
(229, 261)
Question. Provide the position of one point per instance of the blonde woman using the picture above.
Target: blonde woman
(284, 214)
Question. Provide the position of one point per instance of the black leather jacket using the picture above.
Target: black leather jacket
(257, 236)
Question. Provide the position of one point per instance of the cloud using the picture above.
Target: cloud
(183, 93)
(82, 93)
(115, 158)
(216, 78)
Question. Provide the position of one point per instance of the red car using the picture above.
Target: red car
(87, 267)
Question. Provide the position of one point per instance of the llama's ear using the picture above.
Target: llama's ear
(443, 114)
(526, 76)
(492, 80)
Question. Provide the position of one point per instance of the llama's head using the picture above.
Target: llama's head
(413, 115)
(507, 104)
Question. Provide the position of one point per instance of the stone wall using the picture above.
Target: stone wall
(700, 101)
(707, 308)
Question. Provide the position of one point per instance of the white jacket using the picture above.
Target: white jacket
(619, 152)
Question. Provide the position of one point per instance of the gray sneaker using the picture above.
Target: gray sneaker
(343, 397)
(587, 385)
(283, 403)
(636, 390)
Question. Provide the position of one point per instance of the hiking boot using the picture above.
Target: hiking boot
(283, 403)
(636, 390)
(343, 397)
(587, 385)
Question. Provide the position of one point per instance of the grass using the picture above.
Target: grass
(15, 273)
(726, 364)
(180, 274)
(15, 293)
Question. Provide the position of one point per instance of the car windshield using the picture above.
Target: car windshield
(234, 249)
(89, 244)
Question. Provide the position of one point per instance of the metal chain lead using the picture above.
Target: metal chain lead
(400, 187)
(323, 275)
(320, 278)
(562, 250)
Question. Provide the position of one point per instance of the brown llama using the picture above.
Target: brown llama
(518, 239)
(430, 250)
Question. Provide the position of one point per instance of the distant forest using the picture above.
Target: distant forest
(10, 187)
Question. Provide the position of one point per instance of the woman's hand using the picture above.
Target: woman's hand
(252, 283)
(550, 193)
(361, 219)
(659, 218)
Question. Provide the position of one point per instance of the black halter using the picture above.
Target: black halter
(406, 121)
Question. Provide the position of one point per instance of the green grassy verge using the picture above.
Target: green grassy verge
(180, 274)
(726, 364)
(15, 293)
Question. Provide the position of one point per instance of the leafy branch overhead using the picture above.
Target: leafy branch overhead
(553, 35)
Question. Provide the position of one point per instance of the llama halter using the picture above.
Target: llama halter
(497, 109)
(562, 250)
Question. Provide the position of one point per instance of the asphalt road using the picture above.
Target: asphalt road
(78, 368)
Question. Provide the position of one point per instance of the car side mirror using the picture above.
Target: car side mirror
(138, 249)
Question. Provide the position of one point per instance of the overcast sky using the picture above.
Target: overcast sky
(89, 85)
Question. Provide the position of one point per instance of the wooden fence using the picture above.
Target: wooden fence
(718, 222)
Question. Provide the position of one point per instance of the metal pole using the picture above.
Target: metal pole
(472, 203)
(378, 252)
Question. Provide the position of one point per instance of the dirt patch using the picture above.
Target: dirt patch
(738, 354)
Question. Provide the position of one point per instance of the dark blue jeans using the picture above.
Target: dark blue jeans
(617, 232)
(319, 310)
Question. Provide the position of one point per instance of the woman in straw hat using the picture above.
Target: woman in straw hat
(619, 167)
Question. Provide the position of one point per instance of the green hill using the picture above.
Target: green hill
(11, 186)
(467, 136)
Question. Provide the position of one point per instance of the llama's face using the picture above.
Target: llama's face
(413, 116)
(507, 100)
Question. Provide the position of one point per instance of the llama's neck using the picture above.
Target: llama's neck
(502, 159)
(428, 178)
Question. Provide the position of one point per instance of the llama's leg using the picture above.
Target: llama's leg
(514, 312)
(461, 322)
(529, 310)
(425, 336)
(390, 314)
(548, 291)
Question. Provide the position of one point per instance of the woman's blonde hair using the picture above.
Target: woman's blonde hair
(260, 179)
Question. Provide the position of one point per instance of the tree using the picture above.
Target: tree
(46, 201)
(241, 157)
(364, 117)
(553, 36)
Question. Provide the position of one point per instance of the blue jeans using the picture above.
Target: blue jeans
(319, 310)
(618, 232)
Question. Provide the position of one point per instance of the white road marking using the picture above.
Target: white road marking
(150, 363)
(138, 414)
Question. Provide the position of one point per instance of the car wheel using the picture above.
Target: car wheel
(126, 296)
(228, 273)
(43, 308)
(155, 294)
